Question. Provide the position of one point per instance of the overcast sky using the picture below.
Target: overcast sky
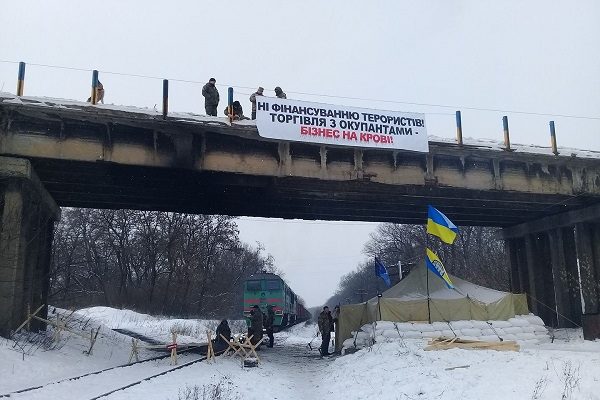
(535, 57)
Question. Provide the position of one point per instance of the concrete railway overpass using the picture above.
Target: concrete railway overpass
(58, 153)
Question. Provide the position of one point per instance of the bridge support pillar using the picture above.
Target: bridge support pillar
(588, 252)
(556, 260)
(566, 277)
(27, 216)
(541, 282)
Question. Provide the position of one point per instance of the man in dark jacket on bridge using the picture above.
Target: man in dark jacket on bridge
(211, 97)
(325, 327)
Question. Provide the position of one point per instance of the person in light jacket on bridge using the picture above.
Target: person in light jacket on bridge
(259, 92)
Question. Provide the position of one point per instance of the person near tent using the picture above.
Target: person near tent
(325, 325)
(279, 93)
(256, 324)
(335, 315)
(259, 92)
(219, 344)
(269, 322)
(211, 97)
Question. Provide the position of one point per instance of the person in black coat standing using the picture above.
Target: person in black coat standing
(279, 93)
(211, 97)
(269, 322)
(325, 327)
(219, 344)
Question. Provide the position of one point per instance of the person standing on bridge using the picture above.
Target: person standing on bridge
(259, 92)
(279, 93)
(211, 97)
(325, 327)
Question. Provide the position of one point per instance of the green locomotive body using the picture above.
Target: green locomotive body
(269, 289)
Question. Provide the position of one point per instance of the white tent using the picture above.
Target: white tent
(408, 301)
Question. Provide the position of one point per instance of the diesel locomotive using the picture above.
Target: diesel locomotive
(265, 288)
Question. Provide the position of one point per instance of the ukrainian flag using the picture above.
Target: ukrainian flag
(439, 225)
(435, 265)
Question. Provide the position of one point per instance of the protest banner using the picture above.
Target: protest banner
(340, 125)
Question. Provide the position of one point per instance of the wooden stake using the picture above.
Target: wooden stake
(29, 316)
(92, 340)
(210, 353)
(134, 350)
(174, 350)
(232, 345)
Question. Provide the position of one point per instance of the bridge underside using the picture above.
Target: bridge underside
(110, 185)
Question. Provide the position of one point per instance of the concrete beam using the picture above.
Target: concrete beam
(570, 218)
(20, 168)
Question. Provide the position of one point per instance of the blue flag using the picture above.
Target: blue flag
(381, 271)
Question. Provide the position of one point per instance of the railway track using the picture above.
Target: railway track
(81, 380)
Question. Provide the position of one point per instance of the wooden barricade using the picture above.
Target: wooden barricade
(242, 348)
(61, 324)
(172, 347)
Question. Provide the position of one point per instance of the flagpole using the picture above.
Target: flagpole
(378, 297)
(427, 277)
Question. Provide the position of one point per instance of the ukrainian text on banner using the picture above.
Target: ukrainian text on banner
(340, 125)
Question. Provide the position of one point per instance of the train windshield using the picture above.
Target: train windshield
(273, 284)
(253, 285)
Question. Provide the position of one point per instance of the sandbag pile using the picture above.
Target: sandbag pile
(525, 329)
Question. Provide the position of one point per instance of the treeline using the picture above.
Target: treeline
(168, 263)
(477, 255)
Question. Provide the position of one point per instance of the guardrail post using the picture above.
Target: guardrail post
(553, 138)
(506, 133)
(94, 96)
(165, 104)
(21, 79)
(230, 103)
(459, 137)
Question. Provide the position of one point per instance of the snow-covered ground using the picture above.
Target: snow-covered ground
(567, 368)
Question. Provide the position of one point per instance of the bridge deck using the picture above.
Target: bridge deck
(115, 157)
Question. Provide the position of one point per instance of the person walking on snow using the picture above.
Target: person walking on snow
(269, 321)
(257, 324)
(211, 97)
(279, 93)
(325, 324)
(259, 92)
